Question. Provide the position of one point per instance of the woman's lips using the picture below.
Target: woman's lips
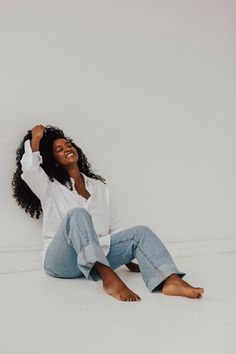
(71, 155)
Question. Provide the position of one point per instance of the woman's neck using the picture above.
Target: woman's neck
(75, 173)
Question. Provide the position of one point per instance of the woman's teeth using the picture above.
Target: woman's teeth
(69, 155)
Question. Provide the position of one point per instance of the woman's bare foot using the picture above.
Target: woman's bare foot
(114, 286)
(174, 285)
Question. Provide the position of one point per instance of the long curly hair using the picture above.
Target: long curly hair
(21, 191)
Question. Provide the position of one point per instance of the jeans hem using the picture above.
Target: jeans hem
(156, 283)
(86, 259)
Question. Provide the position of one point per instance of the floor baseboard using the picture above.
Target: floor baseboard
(16, 260)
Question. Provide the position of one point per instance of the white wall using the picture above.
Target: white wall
(146, 88)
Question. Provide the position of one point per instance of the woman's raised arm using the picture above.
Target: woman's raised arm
(33, 174)
(37, 134)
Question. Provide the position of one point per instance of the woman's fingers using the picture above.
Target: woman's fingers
(38, 131)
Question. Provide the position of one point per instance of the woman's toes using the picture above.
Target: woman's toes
(135, 296)
(201, 290)
(197, 292)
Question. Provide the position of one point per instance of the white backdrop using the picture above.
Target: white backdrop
(145, 88)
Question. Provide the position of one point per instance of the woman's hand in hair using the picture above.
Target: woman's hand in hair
(37, 131)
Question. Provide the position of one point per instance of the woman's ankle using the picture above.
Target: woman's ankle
(104, 271)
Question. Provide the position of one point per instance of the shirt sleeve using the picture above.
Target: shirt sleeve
(33, 174)
(114, 219)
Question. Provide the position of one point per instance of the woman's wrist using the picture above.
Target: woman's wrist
(35, 143)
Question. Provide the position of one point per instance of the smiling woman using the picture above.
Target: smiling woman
(46, 155)
(81, 230)
(49, 146)
(63, 151)
(67, 157)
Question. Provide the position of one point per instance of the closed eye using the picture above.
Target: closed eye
(67, 144)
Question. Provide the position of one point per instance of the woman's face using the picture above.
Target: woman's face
(63, 151)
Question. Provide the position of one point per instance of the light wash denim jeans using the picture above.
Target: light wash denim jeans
(75, 248)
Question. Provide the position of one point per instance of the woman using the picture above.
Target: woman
(81, 231)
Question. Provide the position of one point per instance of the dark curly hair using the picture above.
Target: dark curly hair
(22, 193)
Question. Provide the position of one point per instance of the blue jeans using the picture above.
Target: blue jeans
(75, 248)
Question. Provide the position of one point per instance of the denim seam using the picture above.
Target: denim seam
(68, 221)
(144, 255)
(65, 234)
(81, 231)
(68, 239)
(151, 262)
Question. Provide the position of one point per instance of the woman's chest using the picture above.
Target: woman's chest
(89, 195)
(96, 203)
(82, 191)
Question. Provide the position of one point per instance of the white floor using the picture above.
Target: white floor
(40, 314)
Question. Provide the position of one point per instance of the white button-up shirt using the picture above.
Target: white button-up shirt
(57, 199)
